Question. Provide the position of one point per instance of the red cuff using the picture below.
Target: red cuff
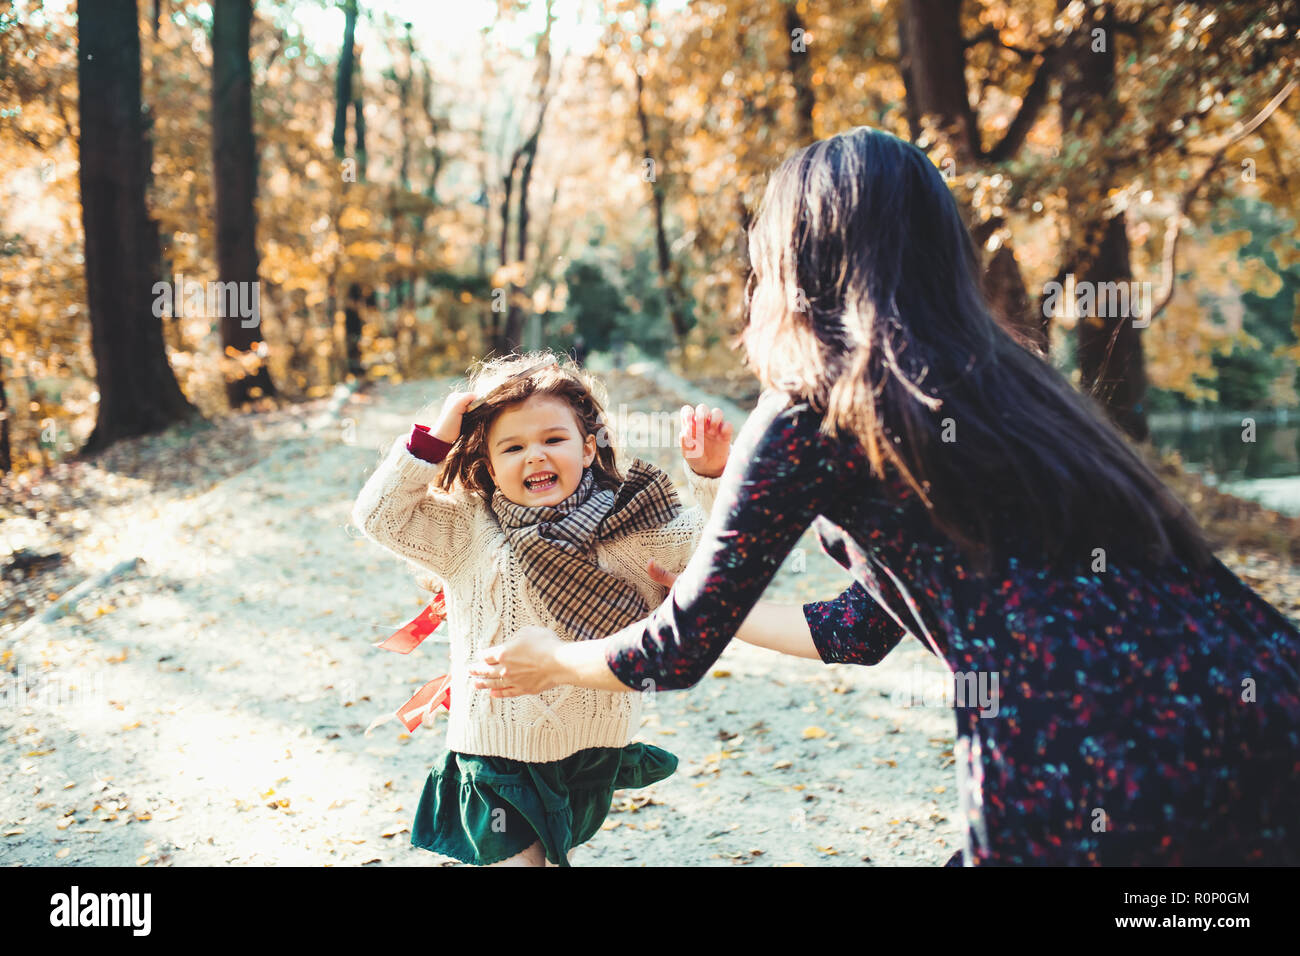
(423, 444)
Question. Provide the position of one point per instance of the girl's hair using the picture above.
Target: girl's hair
(864, 301)
(466, 464)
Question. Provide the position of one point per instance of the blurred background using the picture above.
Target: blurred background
(413, 185)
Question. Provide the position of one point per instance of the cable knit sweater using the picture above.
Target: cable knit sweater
(456, 536)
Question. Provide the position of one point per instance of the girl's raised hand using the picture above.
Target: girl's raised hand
(705, 440)
(453, 410)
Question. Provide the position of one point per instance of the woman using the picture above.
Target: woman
(1148, 705)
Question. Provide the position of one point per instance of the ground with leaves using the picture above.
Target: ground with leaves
(208, 707)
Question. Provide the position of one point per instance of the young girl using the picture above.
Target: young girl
(531, 522)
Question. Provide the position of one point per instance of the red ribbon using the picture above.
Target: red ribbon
(408, 637)
(437, 692)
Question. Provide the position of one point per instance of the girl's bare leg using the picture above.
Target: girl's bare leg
(532, 856)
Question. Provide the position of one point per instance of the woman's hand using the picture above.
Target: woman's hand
(526, 664)
(705, 440)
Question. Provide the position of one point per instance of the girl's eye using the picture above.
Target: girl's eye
(520, 447)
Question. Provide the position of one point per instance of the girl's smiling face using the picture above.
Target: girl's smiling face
(537, 452)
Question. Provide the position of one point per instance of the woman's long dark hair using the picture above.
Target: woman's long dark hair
(864, 301)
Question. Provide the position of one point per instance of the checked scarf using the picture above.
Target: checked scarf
(555, 544)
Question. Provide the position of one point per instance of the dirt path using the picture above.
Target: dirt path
(208, 709)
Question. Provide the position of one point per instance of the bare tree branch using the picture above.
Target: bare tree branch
(1175, 227)
(1030, 106)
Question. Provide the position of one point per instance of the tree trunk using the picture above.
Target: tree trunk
(6, 457)
(352, 329)
(138, 392)
(234, 174)
(932, 63)
(359, 120)
(343, 99)
(343, 82)
(1112, 367)
(800, 76)
(509, 337)
(675, 313)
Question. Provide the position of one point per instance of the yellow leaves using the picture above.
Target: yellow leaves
(354, 217)
(1286, 250)
(720, 673)
(1257, 277)
(813, 733)
(515, 273)
(370, 250)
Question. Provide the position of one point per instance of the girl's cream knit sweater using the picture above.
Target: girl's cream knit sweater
(487, 597)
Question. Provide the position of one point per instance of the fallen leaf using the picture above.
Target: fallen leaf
(812, 733)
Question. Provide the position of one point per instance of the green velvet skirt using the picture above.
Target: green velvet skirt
(482, 810)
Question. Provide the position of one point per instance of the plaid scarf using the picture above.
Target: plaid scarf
(555, 544)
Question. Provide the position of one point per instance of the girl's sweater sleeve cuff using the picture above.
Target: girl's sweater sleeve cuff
(426, 446)
(705, 490)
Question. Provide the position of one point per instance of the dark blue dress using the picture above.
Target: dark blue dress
(1138, 716)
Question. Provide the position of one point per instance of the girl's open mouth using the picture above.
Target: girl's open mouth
(542, 482)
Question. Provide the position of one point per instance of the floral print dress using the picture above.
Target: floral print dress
(1141, 717)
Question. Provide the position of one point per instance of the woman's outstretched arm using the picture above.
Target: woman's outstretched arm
(777, 627)
(851, 628)
(538, 660)
(783, 472)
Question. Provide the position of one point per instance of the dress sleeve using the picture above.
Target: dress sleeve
(781, 474)
(852, 628)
